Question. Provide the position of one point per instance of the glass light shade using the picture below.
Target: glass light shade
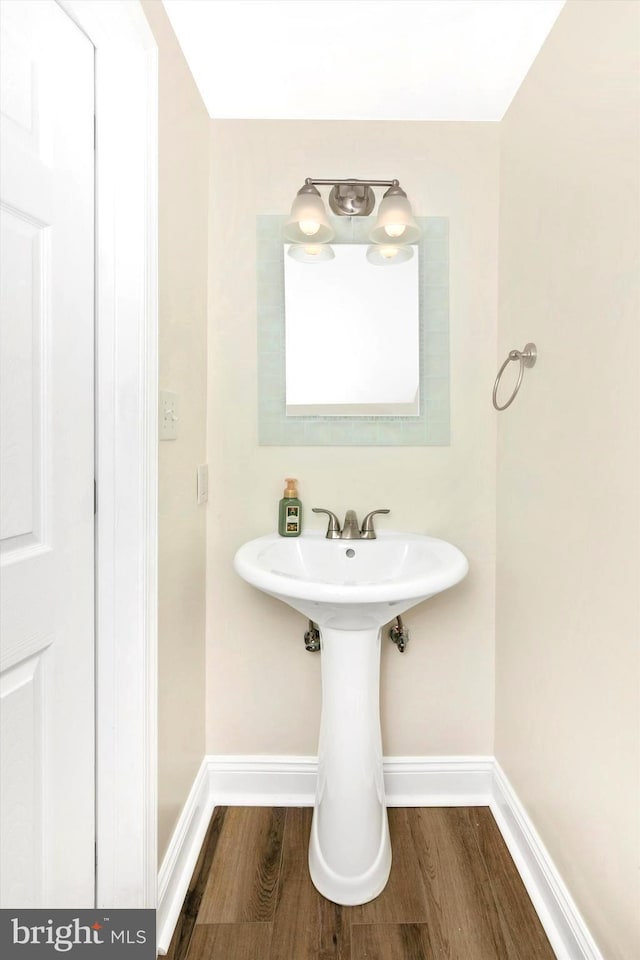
(311, 252)
(308, 221)
(388, 254)
(395, 222)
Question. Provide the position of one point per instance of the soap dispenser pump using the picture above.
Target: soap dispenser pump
(290, 512)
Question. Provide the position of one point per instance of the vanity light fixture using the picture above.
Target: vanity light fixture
(308, 221)
(395, 218)
(351, 198)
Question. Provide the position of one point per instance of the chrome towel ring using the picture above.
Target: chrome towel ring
(527, 358)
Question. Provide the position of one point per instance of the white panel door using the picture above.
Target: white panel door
(46, 459)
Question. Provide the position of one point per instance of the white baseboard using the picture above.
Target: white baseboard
(263, 781)
(438, 781)
(409, 782)
(567, 932)
(181, 857)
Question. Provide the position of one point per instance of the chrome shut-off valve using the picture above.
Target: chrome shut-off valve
(312, 638)
(399, 634)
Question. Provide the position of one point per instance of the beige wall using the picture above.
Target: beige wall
(263, 687)
(568, 493)
(183, 188)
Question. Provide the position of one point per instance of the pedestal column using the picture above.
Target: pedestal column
(349, 851)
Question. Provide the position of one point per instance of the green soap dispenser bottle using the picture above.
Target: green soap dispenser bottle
(290, 512)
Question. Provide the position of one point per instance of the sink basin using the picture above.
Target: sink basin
(350, 588)
(351, 584)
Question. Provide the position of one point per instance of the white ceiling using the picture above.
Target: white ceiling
(360, 59)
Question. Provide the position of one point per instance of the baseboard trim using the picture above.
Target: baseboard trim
(181, 857)
(563, 923)
(438, 781)
(409, 782)
(263, 781)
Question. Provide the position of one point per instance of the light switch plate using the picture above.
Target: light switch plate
(168, 416)
(203, 483)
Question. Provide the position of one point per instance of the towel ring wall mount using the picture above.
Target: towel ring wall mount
(527, 358)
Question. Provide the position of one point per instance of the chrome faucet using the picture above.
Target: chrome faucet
(350, 529)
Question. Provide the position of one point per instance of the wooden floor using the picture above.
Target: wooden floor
(453, 894)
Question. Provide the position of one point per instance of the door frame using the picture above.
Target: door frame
(126, 324)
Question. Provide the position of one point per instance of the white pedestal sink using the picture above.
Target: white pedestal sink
(350, 588)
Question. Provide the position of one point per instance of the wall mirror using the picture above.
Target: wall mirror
(350, 353)
(352, 335)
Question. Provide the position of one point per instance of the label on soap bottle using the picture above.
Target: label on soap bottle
(292, 518)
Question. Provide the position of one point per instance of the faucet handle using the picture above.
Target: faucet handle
(333, 530)
(368, 532)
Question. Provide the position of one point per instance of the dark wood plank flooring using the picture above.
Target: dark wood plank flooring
(453, 894)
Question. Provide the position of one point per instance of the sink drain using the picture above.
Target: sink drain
(350, 552)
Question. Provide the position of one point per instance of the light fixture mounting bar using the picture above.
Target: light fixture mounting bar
(341, 182)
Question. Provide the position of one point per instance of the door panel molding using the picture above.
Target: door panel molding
(24, 520)
(24, 692)
(126, 448)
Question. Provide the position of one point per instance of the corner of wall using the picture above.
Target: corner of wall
(183, 172)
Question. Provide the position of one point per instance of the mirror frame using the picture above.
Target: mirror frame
(431, 426)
